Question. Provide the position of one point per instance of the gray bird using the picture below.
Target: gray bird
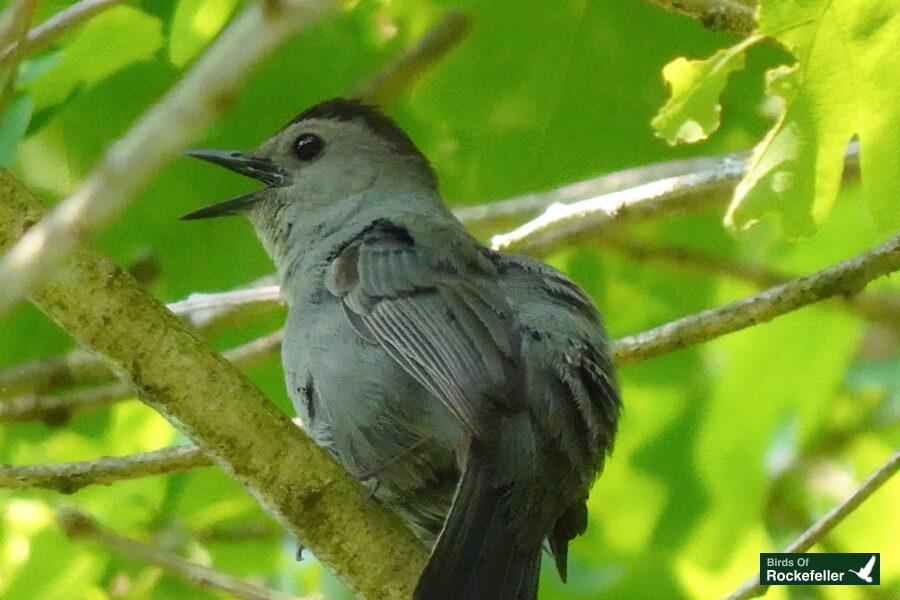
(471, 389)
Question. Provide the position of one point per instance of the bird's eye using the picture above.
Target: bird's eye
(308, 146)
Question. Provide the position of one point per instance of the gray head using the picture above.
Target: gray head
(330, 151)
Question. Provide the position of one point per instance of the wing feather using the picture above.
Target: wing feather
(442, 321)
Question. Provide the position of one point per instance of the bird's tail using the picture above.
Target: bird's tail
(479, 555)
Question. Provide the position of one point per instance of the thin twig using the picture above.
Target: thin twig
(238, 533)
(876, 306)
(569, 224)
(716, 15)
(844, 278)
(79, 526)
(57, 410)
(166, 129)
(502, 215)
(60, 23)
(213, 312)
(566, 224)
(21, 14)
(70, 477)
(208, 312)
(36, 377)
(389, 83)
(823, 526)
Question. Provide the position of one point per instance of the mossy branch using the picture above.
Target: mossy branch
(230, 420)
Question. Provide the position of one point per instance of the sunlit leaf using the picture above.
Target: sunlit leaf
(692, 111)
(845, 84)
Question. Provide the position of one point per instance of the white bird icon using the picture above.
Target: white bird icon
(865, 572)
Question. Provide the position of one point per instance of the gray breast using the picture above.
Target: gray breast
(376, 420)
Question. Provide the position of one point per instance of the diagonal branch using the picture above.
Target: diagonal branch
(715, 177)
(563, 225)
(72, 476)
(209, 400)
(211, 312)
(57, 410)
(844, 278)
(390, 82)
(823, 526)
(206, 312)
(876, 306)
(162, 132)
(77, 367)
(62, 22)
(79, 526)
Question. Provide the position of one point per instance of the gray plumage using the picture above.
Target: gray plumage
(430, 366)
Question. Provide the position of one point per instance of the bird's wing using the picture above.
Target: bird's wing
(868, 568)
(439, 317)
(572, 383)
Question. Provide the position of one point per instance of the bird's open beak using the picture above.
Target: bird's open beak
(258, 168)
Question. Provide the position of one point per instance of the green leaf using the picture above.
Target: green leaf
(692, 111)
(845, 84)
(195, 24)
(107, 43)
(13, 125)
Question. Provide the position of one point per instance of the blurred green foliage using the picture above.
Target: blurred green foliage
(725, 450)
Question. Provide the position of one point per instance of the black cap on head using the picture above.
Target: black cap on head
(344, 109)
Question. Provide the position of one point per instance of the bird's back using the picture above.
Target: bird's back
(379, 351)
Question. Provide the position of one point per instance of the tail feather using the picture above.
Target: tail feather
(480, 555)
(572, 523)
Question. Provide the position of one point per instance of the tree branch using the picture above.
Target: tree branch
(390, 82)
(70, 477)
(503, 215)
(60, 23)
(716, 15)
(844, 278)
(57, 410)
(882, 307)
(823, 526)
(20, 14)
(79, 526)
(207, 312)
(209, 400)
(77, 367)
(162, 132)
(217, 310)
(568, 224)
